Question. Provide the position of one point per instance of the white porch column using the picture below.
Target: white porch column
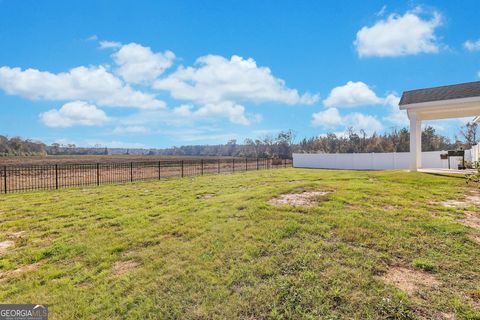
(415, 142)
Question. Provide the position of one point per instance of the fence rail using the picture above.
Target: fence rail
(57, 176)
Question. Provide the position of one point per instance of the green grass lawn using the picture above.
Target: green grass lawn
(211, 247)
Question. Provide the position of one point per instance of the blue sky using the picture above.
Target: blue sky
(164, 73)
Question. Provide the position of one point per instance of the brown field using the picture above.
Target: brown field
(64, 159)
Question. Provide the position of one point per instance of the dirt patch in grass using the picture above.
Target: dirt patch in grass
(6, 245)
(389, 207)
(7, 274)
(15, 235)
(410, 280)
(205, 196)
(305, 199)
(423, 314)
(471, 219)
(475, 238)
(447, 316)
(471, 199)
(123, 267)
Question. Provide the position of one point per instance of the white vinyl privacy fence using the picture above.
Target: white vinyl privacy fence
(476, 153)
(373, 161)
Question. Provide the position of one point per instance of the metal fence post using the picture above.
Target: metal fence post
(284, 163)
(159, 170)
(218, 166)
(98, 174)
(131, 171)
(182, 168)
(201, 164)
(246, 164)
(56, 176)
(233, 165)
(5, 177)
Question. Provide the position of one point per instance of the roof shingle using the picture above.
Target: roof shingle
(456, 91)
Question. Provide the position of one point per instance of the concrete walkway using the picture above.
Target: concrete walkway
(447, 171)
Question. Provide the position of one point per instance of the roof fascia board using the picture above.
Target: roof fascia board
(439, 103)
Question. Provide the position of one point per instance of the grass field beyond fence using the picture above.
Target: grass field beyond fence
(17, 178)
(214, 247)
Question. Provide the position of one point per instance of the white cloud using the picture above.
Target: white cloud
(74, 113)
(110, 44)
(382, 11)
(399, 36)
(216, 79)
(235, 113)
(89, 143)
(215, 87)
(93, 37)
(130, 130)
(185, 110)
(138, 64)
(94, 84)
(353, 94)
(360, 121)
(331, 119)
(200, 134)
(219, 86)
(396, 116)
(472, 45)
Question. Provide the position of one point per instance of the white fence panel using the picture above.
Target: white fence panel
(375, 161)
(383, 161)
(362, 161)
(402, 160)
(476, 153)
(432, 160)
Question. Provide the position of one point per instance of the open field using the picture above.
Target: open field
(69, 159)
(359, 245)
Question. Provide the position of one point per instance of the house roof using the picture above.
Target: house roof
(456, 91)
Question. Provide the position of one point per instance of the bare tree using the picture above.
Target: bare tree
(469, 133)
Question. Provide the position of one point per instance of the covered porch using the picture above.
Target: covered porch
(452, 101)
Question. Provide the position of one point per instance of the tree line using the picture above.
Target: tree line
(17, 146)
(281, 145)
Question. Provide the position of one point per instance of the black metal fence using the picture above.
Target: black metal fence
(56, 176)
